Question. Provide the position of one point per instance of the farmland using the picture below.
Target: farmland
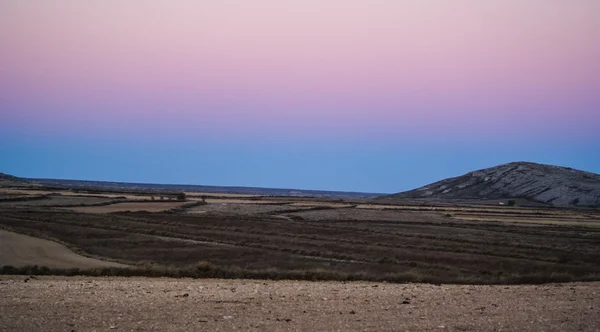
(22, 250)
(314, 238)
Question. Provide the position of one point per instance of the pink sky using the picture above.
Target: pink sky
(264, 63)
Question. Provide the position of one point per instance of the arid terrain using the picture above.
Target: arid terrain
(22, 250)
(543, 184)
(146, 304)
(282, 237)
(273, 263)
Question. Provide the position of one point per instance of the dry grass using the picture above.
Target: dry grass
(22, 250)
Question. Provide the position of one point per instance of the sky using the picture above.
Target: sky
(349, 95)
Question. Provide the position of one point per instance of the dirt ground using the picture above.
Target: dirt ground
(242, 209)
(129, 206)
(21, 250)
(141, 304)
(10, 191)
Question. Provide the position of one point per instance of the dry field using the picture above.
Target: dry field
(21, 250)
(13, 191)
(56, 201)
(343, 244)
(243, 201)
(238, 237)
(321, 204)
(315, 238)
(565, 220)
(129, 206)
(203, 194)
(86, 202)
(242, 209)
(141, 304)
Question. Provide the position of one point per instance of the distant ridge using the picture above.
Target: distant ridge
(7, 180)
(9, 177)
(119, 186)
(552, 185)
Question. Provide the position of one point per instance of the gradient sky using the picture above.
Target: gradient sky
(378, 96)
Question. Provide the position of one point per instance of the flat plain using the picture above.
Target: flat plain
(313, 238)
(350, 264)
(162, 304)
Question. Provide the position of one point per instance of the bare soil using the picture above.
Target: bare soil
(12, 191)
(316, 238)
(242, 209)
(129, 206)
(195, 194)
(57, 201)
(572, 220)
(21, 250)
(343, 243)
(141, 304)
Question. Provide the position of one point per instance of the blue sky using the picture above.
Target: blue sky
(368, 166)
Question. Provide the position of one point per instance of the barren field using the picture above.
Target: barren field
(243, 209)
(242, 238)
(140, 304)
(574, 220)
(57, 201)
(13, 191)
(129, 206)
(205, 194)
(243, 201)
(317, 238)
(21, 250)
(321, 204)
(342, 244)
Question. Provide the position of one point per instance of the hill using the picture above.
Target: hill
(8, 177)
(7, 180)
(126, 186)
(552, 185)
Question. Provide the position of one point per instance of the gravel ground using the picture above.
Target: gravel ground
(141, 304)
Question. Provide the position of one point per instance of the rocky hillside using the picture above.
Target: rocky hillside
(553, 185)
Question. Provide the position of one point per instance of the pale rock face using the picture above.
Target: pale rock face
(558, 186)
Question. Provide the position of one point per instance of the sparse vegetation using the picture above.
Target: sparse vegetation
(308, 238)
(207, 270)
(379, 245)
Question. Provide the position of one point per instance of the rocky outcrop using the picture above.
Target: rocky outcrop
(553, 185)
